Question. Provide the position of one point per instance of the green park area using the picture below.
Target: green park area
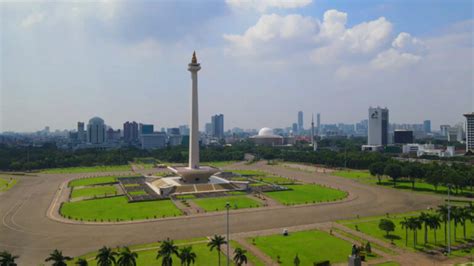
(6, 183)
(87, 169)
(402, 183)
(250, 256)
(90, 181)
(403, 233)
(219, 164)
(147, 254)
(137, 193)
(310, 246)
(218, 203)
(302, 194)
(96, 191)
(118, 209)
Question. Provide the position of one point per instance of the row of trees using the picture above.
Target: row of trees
(432, 221)
(458, 176)
(125, 257)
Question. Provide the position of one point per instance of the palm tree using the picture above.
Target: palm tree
(216, 242)
(414, 224)
(187, 256)
(106, 257)
(465, 215)
(425, 220)
(240, 257)
(443, 214)
(434, 223)
(405, 225)
(57, 258)
(7, 259)
(82, 262)
(127, 257)
(166, 251)
(457, 218)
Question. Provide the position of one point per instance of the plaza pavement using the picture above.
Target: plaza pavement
(27, 231)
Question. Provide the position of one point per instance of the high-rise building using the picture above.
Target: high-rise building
(174, 131)
(130, 131)
(217, 122)
(427, 126)
(156, 140)
(444, 130)
(318, 123)
(378, 126)
(402, 136)
(184, 130)
(294, 128)
(96, 131)
(81, 133)
(146, 128)
(208, 129)
(300, 121)
(469, 132)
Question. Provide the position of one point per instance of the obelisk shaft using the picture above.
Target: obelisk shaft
(194, 67)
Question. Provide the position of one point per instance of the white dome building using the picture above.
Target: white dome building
(267, 137)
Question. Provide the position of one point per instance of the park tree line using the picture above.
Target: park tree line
(126, 257)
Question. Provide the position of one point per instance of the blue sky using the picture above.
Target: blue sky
(262, 61)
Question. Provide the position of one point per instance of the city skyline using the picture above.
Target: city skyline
(91, 65)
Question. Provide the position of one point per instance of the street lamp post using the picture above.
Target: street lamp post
(227, 206)
(449, 221)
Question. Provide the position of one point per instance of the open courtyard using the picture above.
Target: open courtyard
(32, 227)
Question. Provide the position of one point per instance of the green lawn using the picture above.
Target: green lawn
(218, 203)
(249, 172)
(87, 169)
(118, 208)
(250, 256)
(370, 227)
(388, 263)
(137, 193)
(94, 191)
(275, 180)
(311, 246)
(365, 177)
(219, 164)
(301, 194)
(7, 183)
(147, 257)
(92, 181)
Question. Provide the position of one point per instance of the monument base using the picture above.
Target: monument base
(194, 175)
(354, 261)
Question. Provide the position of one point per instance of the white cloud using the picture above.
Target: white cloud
(394, 59)
(263, 5)
(405, 42)
(273, 33)
(32, 19)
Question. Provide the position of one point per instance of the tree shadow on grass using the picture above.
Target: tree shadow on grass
(392, 237)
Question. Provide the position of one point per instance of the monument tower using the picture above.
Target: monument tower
(194, 67)
(194, 172)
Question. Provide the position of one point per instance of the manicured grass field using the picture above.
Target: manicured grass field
(87, 169)
(6, 183)
(249, 172)
(388, 263)
(311, 246)
(275, 180)
(219, 164)
(137, 193)
(366, 177)
(118, 208)
(250, 256)
(94, 191)
(92, 181)
(147, 257)
(301, 194)
(370, 227)
(218, 204)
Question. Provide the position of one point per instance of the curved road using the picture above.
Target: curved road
(26, 231)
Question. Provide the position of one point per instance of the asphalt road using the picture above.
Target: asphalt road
(28, 232)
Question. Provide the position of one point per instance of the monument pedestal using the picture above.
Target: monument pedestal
(354, 261)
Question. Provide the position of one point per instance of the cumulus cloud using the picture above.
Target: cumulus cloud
(273, 33)
(32, 19)
(263, 5)
(328, 42)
